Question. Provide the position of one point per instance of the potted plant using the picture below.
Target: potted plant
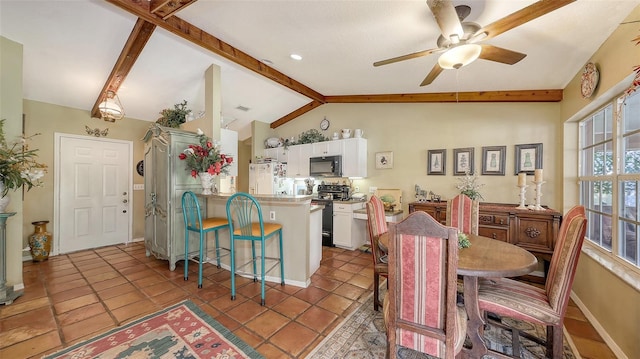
(174, 117)
(18, 166)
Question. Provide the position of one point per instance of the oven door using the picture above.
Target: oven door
(327, 221)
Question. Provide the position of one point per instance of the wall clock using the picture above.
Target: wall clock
(324, 124)
(140, 168)
(589, 81)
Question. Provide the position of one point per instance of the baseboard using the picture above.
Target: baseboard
(596, 325)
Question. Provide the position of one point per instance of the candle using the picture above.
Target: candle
(522, 179)
(537, 175)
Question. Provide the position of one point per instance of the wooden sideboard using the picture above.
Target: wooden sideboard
(535, 231)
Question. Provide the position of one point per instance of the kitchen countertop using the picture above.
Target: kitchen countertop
(386, 213)
(263, 197)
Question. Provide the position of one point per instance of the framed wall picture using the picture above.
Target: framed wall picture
(493, 158)
(462, 161)
(436, 162)
(384, 160)
(528, 158)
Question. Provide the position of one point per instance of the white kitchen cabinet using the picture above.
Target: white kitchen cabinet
(354, 157)
(279, 154)
(347, 231)
(298, 165)
(327, 148)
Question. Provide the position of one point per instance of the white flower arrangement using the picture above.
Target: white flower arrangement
(469, 185)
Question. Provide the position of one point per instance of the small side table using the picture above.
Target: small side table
(7, 295)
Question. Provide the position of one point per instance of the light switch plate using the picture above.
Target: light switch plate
(138, 186)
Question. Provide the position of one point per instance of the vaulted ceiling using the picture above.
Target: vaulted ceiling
(156, 52)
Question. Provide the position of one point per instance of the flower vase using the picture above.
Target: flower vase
(40, 241)
(206, 179)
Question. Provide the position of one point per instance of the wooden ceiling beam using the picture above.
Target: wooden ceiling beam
(138, 38)
(299, 112)
(481, 96)
(205, 40)
(167, 8)
(443, 97)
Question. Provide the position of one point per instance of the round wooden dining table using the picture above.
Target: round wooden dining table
(487, 258)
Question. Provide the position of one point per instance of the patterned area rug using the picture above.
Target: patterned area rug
(362, 335)
(181, 331)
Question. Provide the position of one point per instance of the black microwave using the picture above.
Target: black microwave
(326, 166)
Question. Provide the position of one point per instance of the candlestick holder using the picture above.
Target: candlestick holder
(523, 190)
(537, 206)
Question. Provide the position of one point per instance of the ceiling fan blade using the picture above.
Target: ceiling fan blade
(521, 16)
(435, 71)
(446, 17)
(498, 54)
(405, 57)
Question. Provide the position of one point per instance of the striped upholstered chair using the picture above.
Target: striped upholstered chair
(545, 306)
(420, 308)
(463, 213)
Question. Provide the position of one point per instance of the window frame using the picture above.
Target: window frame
(613, 258)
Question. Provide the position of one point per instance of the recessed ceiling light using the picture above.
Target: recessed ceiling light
(267, 62)
(296, 57)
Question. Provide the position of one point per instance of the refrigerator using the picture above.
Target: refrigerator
(269, 178)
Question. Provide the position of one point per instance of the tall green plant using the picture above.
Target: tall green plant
(18, 164)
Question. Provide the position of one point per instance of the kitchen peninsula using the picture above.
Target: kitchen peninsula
(302, 246)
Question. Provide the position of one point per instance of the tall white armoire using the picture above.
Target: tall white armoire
(165, 180)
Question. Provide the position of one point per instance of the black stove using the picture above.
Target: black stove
(334, 191)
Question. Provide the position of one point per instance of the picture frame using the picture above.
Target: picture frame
(493, 160)
(437, 162)
(384, 160)
(462, 160)
(528, 158)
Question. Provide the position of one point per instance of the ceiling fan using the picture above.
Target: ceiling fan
(459, 42)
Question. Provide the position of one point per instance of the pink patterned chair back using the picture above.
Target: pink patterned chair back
(423, 315)
(379, 223)
(565, 257)
(463, 213)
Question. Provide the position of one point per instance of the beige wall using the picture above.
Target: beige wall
(11, 111)
(48, 119)
(409, 130)
(595, 285)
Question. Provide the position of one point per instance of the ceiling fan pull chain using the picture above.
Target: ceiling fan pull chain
(457, 83)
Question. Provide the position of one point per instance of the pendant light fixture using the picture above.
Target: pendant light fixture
(111, 108)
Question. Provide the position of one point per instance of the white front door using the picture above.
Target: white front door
(93, 190)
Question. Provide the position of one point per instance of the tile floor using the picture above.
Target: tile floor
(73, 297)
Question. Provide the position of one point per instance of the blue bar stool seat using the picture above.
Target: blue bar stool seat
(244, 215)
(193, 222)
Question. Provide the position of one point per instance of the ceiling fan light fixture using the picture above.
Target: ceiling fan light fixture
(111, 108)
(459, 56)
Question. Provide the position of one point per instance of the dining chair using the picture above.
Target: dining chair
(244, 215)
(380, 268)
(463, 213)
(545, 306)
(420, 308)
(194, 222)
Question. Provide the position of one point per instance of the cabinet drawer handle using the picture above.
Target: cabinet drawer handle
(494, 235)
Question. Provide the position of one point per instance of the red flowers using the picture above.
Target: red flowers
(205, 157)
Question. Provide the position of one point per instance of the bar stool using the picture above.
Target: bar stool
(244, 215)
(193, 222)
